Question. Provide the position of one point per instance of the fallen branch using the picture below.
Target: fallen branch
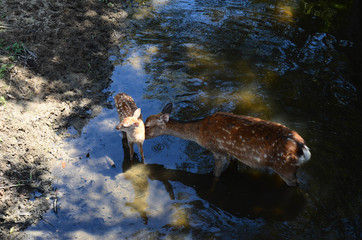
(41, 217)
(10, 186)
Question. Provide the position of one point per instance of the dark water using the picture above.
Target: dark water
(292, 62)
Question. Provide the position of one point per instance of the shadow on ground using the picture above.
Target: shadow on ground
(54, 68)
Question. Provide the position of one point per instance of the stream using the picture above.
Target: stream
(277, 60)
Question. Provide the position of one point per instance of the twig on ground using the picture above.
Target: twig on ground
(41, 217)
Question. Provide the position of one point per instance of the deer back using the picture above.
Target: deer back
(125, 106)
(254, 141)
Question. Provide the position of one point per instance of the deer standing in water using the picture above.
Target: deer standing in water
(131, 123)
(253, 141)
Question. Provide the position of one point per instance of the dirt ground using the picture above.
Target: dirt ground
(54, 66)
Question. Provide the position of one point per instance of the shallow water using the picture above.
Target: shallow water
(285, 61)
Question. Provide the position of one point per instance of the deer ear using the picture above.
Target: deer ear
(167, 108)
(164, 118)
(137, 113)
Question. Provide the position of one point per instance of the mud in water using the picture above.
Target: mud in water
(54, 59)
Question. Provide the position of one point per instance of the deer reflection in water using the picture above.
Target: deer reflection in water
(254, 195)
(137, 175)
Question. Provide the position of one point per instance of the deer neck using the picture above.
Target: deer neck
(184, 130)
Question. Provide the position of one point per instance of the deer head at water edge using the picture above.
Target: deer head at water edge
(253, 141)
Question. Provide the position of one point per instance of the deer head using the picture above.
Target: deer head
(130, 123)
(155, 124)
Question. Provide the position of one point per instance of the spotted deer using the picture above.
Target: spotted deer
(131, 123)
(253, 141)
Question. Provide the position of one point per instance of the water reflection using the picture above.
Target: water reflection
(255, 195)
(138, 177)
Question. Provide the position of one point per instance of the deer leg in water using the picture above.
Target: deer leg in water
(124, 135)
(289, 177)
(131, 151)
(140, 147)
(221, 162)
(124, 140)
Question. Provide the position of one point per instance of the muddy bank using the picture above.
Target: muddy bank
(54, 66)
